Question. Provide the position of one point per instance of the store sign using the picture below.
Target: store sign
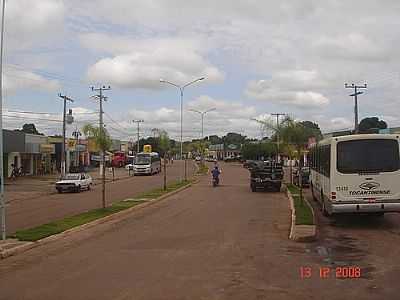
(98, 158)
(47, 148)
(80, 148)
(71, 145)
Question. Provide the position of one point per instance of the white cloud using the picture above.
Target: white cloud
(19, 79)
(352, 46)
(33, 22)
(140, 64)
(291, 88)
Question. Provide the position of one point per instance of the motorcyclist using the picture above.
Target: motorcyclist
(215, 174)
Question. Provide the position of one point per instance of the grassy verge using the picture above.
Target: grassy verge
(304, 214)
(42, 231)
(203, 169)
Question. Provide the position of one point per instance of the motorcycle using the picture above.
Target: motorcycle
(215, 181)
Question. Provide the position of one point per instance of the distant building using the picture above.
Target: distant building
(221, 151)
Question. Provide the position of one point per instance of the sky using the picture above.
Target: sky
(257, 57)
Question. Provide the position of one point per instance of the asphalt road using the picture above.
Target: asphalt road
(29, 212)
(208, 243)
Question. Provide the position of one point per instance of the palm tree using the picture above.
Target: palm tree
(164, 144)
(294, 134)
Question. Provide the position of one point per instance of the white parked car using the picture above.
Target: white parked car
(74, 182)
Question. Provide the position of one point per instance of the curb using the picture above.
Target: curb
(301, 233)
(116, 217)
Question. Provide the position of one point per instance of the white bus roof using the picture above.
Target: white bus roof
(148, 153)
(359, 137)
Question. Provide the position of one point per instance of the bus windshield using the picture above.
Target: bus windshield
(368, 156)
(142, 160)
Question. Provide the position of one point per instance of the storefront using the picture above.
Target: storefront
(13, 146)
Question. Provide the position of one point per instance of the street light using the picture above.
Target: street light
(181, 89)
(2, 199)
(202, 113)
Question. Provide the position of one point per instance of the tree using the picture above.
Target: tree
(369, 123)
(295, 134)
(215, 139)
(30, 128)
(258, 151)
(233, 138)
(164, 144)
(101, 137)
(312, 129)
(103, 142)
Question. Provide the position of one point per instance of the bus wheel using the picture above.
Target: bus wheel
(323, 208)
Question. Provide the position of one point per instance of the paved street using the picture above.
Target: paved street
(42, 207)
(206, 243)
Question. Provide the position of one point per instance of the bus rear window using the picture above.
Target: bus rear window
(368, 156)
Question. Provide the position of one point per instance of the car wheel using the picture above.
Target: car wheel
(89, 187)
(59, 191)
(78, 189)
(253, 188)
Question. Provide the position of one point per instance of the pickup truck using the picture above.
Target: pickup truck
(266, 175)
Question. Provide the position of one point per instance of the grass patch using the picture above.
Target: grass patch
(42, 231)
(203, 169)
(304, 214)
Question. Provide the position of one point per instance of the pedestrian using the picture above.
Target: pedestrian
(14, 172)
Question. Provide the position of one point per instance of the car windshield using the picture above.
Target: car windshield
(142, 160)
(363, 156)
(72, 177)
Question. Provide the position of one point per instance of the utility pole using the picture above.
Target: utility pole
(102, 135)
(138, 132)
(63, 156)
(355, 94)
(76, 134)
(277, 133)
(2, 198)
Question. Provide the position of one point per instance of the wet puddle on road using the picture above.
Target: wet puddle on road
(343, 251)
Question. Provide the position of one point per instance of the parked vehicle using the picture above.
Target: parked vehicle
(198, 158)
(356, 174)
(119, 159)
(266, 175)
(74, 182)
(305, 176)
(129, 162)
(248, 164)
(147, 163)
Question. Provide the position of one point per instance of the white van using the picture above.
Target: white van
(147, 163)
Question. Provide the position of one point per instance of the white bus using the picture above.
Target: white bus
(356, 174)
(147, 163)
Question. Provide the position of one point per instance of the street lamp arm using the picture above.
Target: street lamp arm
(192, 82)
(196, 111)
(211, 109)
(171, 83)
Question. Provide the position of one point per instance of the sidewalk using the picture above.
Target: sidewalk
(30, 187)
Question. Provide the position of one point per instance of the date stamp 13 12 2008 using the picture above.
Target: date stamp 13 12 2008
(350, 272)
